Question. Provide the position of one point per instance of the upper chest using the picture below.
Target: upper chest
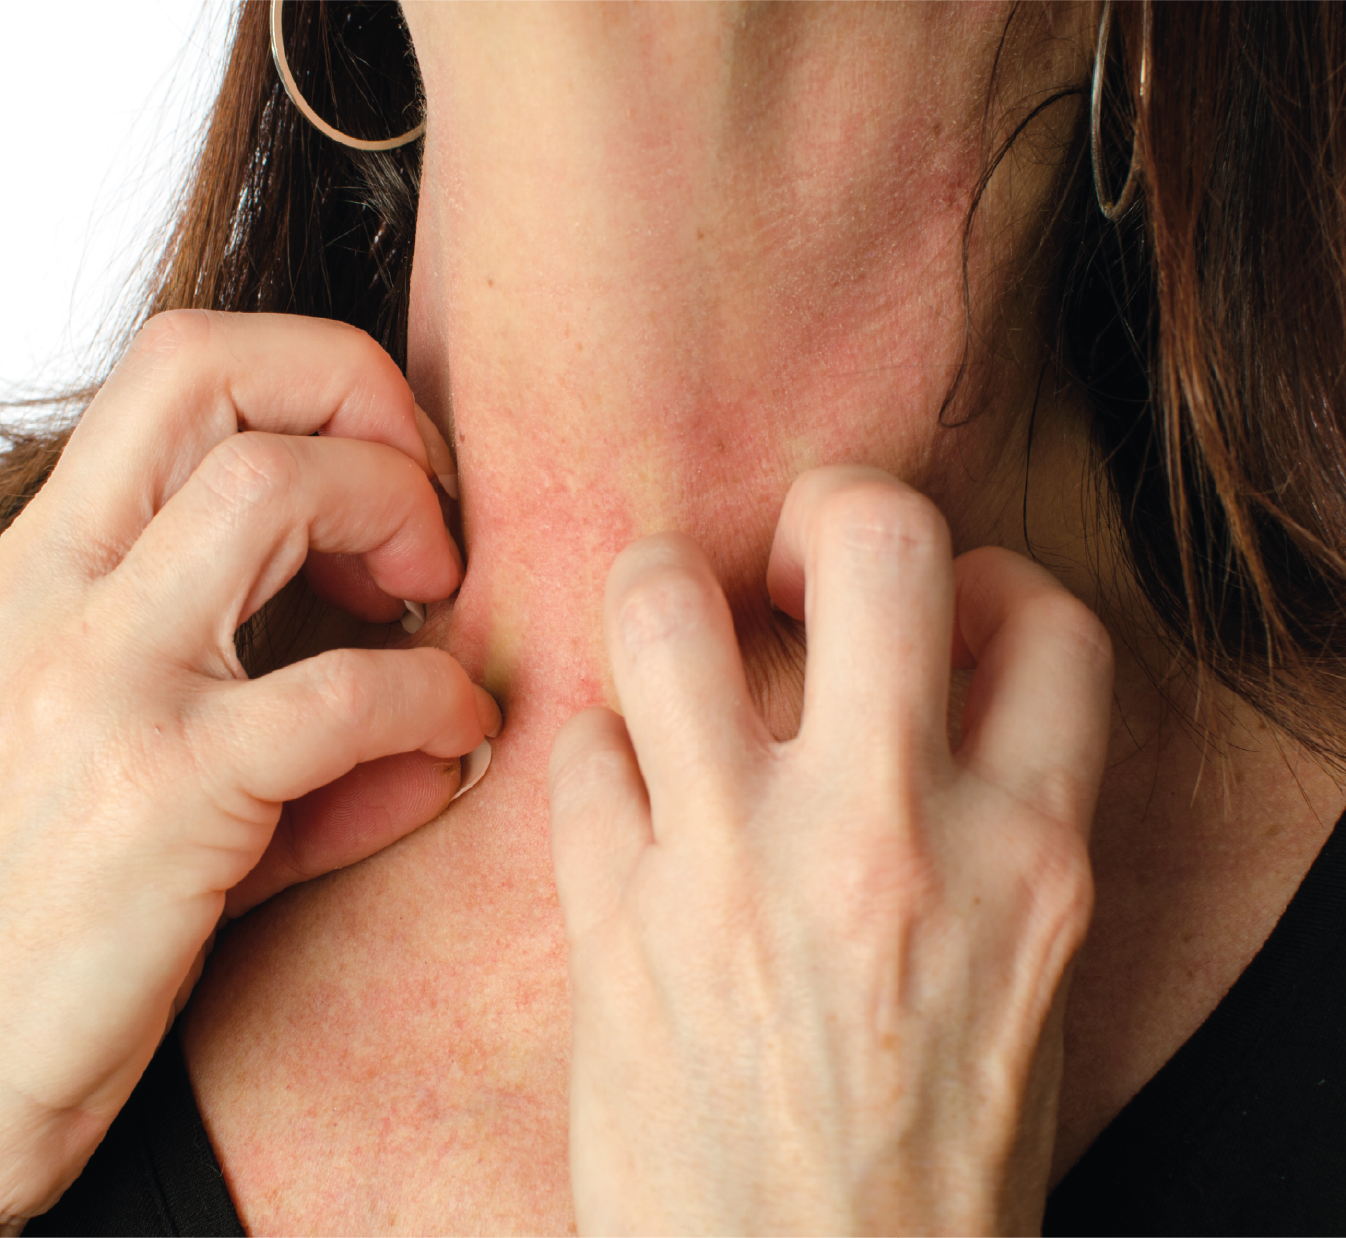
(386, 1050)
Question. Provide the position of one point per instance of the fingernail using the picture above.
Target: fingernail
(450, 483)
(475, 765)
(414, 619)
(441, 458)
(488, 712)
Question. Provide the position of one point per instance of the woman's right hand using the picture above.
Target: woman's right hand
(143, 775)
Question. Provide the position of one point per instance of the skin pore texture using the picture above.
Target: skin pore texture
(668, 258)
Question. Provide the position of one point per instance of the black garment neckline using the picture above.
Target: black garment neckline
(1225, 1137)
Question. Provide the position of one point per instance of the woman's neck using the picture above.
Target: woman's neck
(668, 258)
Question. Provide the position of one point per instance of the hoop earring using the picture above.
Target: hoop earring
(292, 89)
(1113, 211)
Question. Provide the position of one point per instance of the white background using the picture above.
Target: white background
(103, 104)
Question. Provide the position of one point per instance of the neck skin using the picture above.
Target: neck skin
(667, 258)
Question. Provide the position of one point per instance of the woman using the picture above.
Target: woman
(732, 273)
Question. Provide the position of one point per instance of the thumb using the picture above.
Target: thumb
(348, 820)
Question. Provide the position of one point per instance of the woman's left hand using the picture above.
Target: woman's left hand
(817, 984)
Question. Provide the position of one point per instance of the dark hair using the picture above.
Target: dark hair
(1207, 330)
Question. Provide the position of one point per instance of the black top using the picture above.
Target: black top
(154, 1172)
(1243, 1131)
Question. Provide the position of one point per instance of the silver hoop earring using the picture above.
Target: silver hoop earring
(292, 89)
(1113, 211)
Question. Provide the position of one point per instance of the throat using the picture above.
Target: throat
(746, 264)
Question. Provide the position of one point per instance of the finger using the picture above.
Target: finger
(245, 522)
(348, 820)
(679, 677)
(344, 581)
(878, 603)
(600, 817)
(785, 568)
(190, 380)
(1038, 711)
(299, 728)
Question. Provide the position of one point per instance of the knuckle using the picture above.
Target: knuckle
(353, 338)
(582, 772)
(340, 690)
(249, 472)
(1059, 878)
(881, 867)
(1074, 626)
(852, 889)
(873, 520)
(370, 369)
(661, 601)
(157, 752)
(123, 750)
(875, 898)
(170, 334)
(894, 877)
(368, 351)
(48, 703)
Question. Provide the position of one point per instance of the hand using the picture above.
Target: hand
(143, 777)
(814, 981)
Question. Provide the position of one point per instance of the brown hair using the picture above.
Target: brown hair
(1207, 329)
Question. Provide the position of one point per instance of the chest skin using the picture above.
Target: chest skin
(385, 1050)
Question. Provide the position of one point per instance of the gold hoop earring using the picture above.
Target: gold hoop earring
(292, 89)
(1113, 211)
